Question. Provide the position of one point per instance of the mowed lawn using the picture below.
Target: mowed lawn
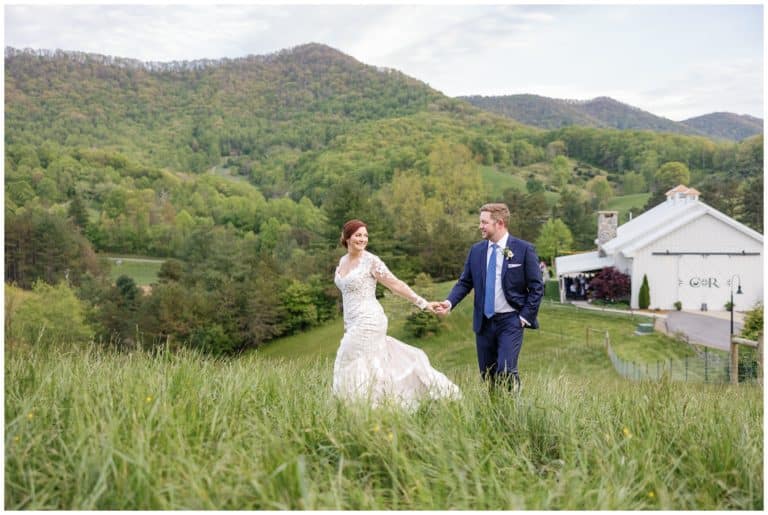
(142, 270)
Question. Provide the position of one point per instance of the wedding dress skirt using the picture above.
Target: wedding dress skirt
(370, 365)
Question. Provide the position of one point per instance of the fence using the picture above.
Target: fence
(705, 365)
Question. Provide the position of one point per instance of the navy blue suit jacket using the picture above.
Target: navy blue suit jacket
(520, 280)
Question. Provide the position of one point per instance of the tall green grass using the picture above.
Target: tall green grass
(89, 429)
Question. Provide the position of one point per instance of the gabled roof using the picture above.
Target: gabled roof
(663, 219)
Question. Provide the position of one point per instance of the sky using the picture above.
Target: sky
(676, 61)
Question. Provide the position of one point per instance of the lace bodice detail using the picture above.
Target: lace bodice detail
(358, 287)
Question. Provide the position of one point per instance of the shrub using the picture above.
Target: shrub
(753, 323)
(610, 285)
(422, 323)
(678, 305)
(753, 328)
(45, 315)
(552, 290)
(644, 296)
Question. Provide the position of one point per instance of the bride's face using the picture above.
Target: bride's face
(359, 240)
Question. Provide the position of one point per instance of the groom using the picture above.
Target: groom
(504, 272)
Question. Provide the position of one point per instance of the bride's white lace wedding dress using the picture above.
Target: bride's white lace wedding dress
(370, 365)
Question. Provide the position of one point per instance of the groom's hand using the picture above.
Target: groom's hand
(443, 308)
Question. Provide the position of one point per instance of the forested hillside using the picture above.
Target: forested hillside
(241, 171)
(605, 112)
(726, 125)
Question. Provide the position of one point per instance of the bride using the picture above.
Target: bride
(370, 365)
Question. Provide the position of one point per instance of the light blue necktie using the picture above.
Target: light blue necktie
(490, 284)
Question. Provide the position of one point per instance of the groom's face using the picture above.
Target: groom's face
(489, 228)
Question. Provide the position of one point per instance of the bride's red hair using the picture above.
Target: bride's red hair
(349, 229)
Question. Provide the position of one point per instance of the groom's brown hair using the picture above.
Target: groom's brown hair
(499, 212)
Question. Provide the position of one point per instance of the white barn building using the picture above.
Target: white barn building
(690, 252)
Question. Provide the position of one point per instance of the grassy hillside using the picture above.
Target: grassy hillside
(626, 203)
(89, 429)
(558, 348)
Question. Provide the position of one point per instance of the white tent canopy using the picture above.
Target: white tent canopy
(578, 263)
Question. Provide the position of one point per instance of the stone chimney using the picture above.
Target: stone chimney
(607, 224)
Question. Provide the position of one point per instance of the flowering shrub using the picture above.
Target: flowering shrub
(610, 285)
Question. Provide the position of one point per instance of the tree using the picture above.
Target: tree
(556, 148)
(555, 238)
(752, 203)
(561, 171)
(601, 191)
(670, 175)
(644, 296)
(667, 177)
(528, 212)
(50, 314)
(41, 245)
(633, 182)
(454, 178)
(78, 213)
(574, 210)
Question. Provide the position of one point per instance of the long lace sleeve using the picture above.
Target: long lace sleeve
(381, 273)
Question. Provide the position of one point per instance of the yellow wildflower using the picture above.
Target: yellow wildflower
(376, 428)
(16, 439)
(148, 399)
(390, 436)
(30, 415)
(627, 432)
(651, 494)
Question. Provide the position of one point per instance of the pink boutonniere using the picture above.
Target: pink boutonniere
(508, 253)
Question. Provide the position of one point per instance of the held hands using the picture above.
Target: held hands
(439, 308)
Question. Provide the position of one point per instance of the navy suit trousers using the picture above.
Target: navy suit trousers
(498, 344)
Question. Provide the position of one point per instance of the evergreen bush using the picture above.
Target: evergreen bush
(644, 297)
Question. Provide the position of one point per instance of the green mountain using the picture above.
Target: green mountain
(605, 112)
(186, 115)
(728, 126)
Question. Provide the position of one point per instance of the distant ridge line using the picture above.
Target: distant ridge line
(155, 66)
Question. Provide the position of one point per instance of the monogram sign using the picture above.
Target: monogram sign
(700, 282)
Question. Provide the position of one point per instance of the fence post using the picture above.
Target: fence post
(734, 362)
(760, 359)
(706, 363)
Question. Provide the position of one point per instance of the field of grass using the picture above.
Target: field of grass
(626, 203)
(142, 270)
(90, 429)
(557, 348)
(496, 181)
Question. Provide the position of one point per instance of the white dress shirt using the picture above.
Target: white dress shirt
(500, 304)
